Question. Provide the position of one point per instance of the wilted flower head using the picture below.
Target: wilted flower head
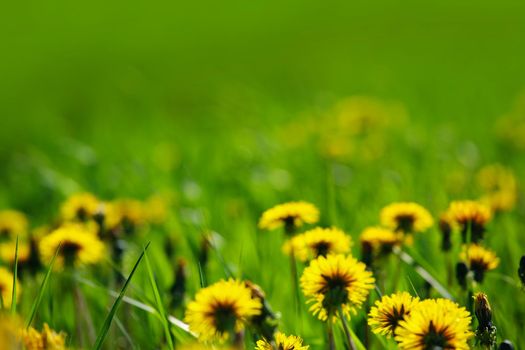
(486, 331)
(336, 281)
(291, 215)
(318, 242)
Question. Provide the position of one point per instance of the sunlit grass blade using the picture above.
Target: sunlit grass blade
(15, 277)
(109, 318)
(160, 306)
(42, 289)
(202, 277)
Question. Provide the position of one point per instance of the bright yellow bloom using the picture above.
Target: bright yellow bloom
(12, 224)
(385, 315)
(479, 260)
(7, 252)
(282, 342)
(470, 214)
(48, 339)
(406, 217)
(291, 215)
(79, 246)
(6, 286)
(221, 310)
(336, 281)
(81, 206)
(318, 242)
(435, 323)
(379, 239)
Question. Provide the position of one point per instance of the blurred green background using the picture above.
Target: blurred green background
(112, 81)
(130, 99)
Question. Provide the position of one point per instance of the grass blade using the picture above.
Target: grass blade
(160, 306)
(42, 289)
(109, 318)
(15, 277)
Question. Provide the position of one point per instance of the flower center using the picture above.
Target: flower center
(434, 339)
(405, 222)
(395, 317)
(321, 248)
(82, 214)
(225, 318)
(335, 292)
(70, 251)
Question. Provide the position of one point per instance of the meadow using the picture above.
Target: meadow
(142, 147)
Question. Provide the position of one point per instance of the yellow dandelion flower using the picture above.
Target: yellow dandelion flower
(80, 206)
(48, 339)
(12, 223)
(500, 187)
(6, 286)
(385, 315)
(282, 342)
(127, 214)
(79, 246)
(221, 310)
(378, 241)
(406, 217)
(435, 323)
(318, 242)
(290, 215)
(336, 281)
(479, 260)
(7, 252)
(470, 214)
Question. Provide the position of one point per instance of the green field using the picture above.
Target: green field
(224, 110)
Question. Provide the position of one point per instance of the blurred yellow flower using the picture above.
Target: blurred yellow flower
(10, 332)
(499, 187)
(221, 310)
(127, 214)
(333, 282)
(79, 246)
(379, 240)
(47, 339)
(470, 215)
(479, 260)
(282, 342)
(80, 206)
(291, 215)
(12, 223)
(6, 287)
(435, 323)
(406, 217)
(318, 242)
(7, 252)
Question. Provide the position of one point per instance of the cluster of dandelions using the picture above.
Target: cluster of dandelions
(337, 285)
(86, 232)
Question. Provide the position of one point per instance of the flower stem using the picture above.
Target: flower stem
(349, 340)
(330, 331)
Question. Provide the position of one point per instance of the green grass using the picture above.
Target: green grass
(215, 107)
